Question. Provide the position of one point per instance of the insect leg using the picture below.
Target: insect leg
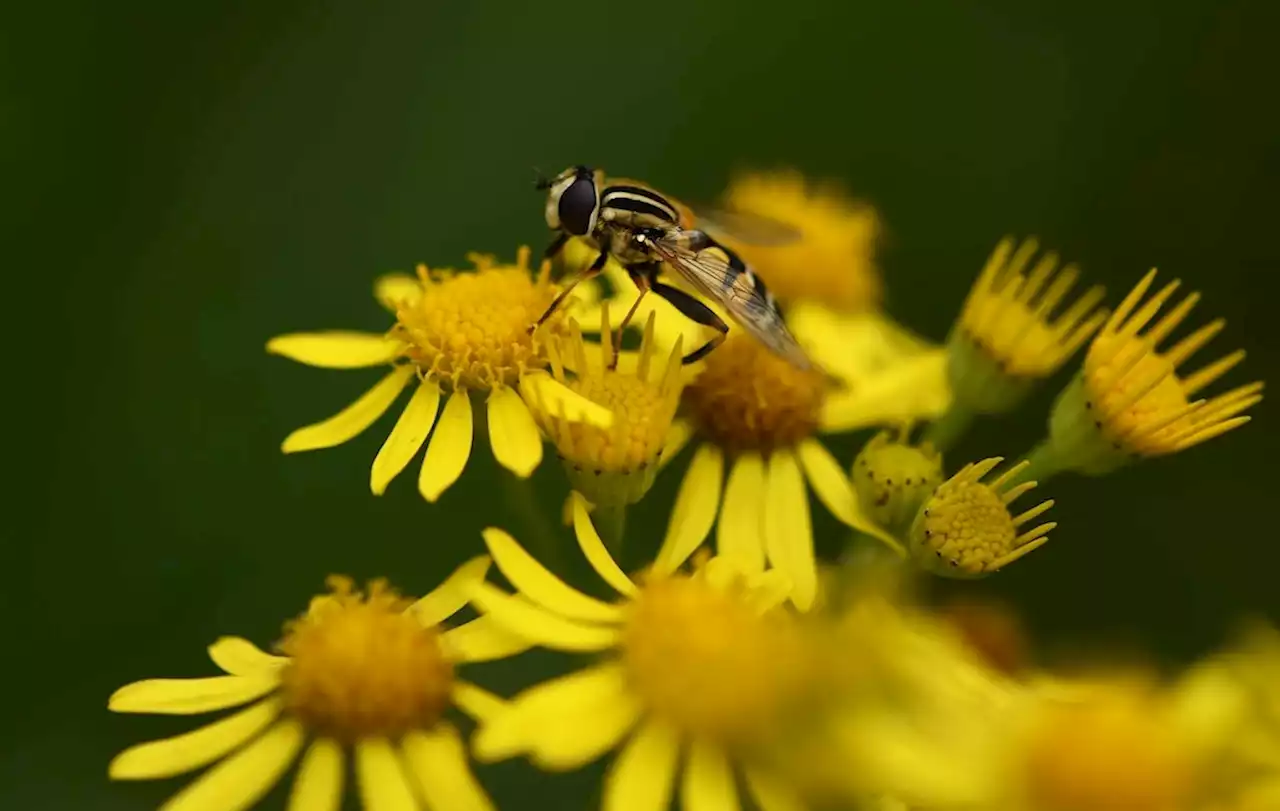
(556, 246)
(696, 311)
(589, 273)
(640, 275)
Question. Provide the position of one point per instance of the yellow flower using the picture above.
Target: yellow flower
(1107, 747)
(1012, 333)
(915, 715)
(614, 465)
(759, 416)
(832, 262)
(370, 672)
(709, 660)
(966, 529)
(457, 333)
(1129, 400)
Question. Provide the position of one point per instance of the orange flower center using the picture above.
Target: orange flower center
(747, 398)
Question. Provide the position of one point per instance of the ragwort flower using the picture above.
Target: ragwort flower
(966, 530)
(1012, 333)
(457, 333)
(612, 466)
(369, 672)
(1129, 401)
(710, 660)
(759, 416)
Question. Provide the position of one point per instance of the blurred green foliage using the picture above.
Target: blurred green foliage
(185, 180)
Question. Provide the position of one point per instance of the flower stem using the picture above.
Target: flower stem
(1044, 465)
(945, 431)
(611, 522)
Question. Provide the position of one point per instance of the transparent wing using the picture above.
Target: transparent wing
(735, 288)
(747, 228)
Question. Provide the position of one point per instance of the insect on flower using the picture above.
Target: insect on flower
(644, 230)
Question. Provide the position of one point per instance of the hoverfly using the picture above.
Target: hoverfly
(643, 230)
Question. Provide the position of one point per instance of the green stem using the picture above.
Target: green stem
(544, 540)
(945, 431)
(1044, 465)
(611, 523)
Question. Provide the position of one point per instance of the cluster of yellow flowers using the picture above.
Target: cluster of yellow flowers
(743, 662)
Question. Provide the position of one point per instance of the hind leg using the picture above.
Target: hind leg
(696, 311)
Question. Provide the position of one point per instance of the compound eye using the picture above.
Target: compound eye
(578, 204)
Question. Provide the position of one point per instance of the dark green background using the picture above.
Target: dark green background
(183, 181)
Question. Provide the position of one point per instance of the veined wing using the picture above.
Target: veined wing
(720, 275)
(747, 228)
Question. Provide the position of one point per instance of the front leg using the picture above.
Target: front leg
(557, 245)
(590, 273)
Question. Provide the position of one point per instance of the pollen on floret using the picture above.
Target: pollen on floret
(748, 399)
(704, 657)
(831, 259)
(612, 464)
(1132, 391)
(966, 529)
(471, 329)
(360, 666)
(1112, 750)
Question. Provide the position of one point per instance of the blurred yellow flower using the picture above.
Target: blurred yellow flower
(457, 333)
(370, 672)
(709, 659)
(614, 465)
(1129, 401)
(831, 261)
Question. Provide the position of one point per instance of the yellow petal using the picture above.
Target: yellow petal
(645, 770)
(438, 762)
(585, 732)
(852, 346)
(695, 509)
(349, 422)
(533, 580)
(770, 793)
(406, 437)
(396, 290)
(679, 435)
(482, 640)
(594, 550)
(450, 448)
(337, 349)
(539, 626)
(913, 389)
(243, 779)
(740, 534)
(318, 786)
(513, 435)
(477, 702)
(450, 596)
(383, 784)
(182, 753)
(563, 402)
(708, 780)
(191, 696)
(240, 657)
(788, 534)
(836, 493)
(519, 728)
